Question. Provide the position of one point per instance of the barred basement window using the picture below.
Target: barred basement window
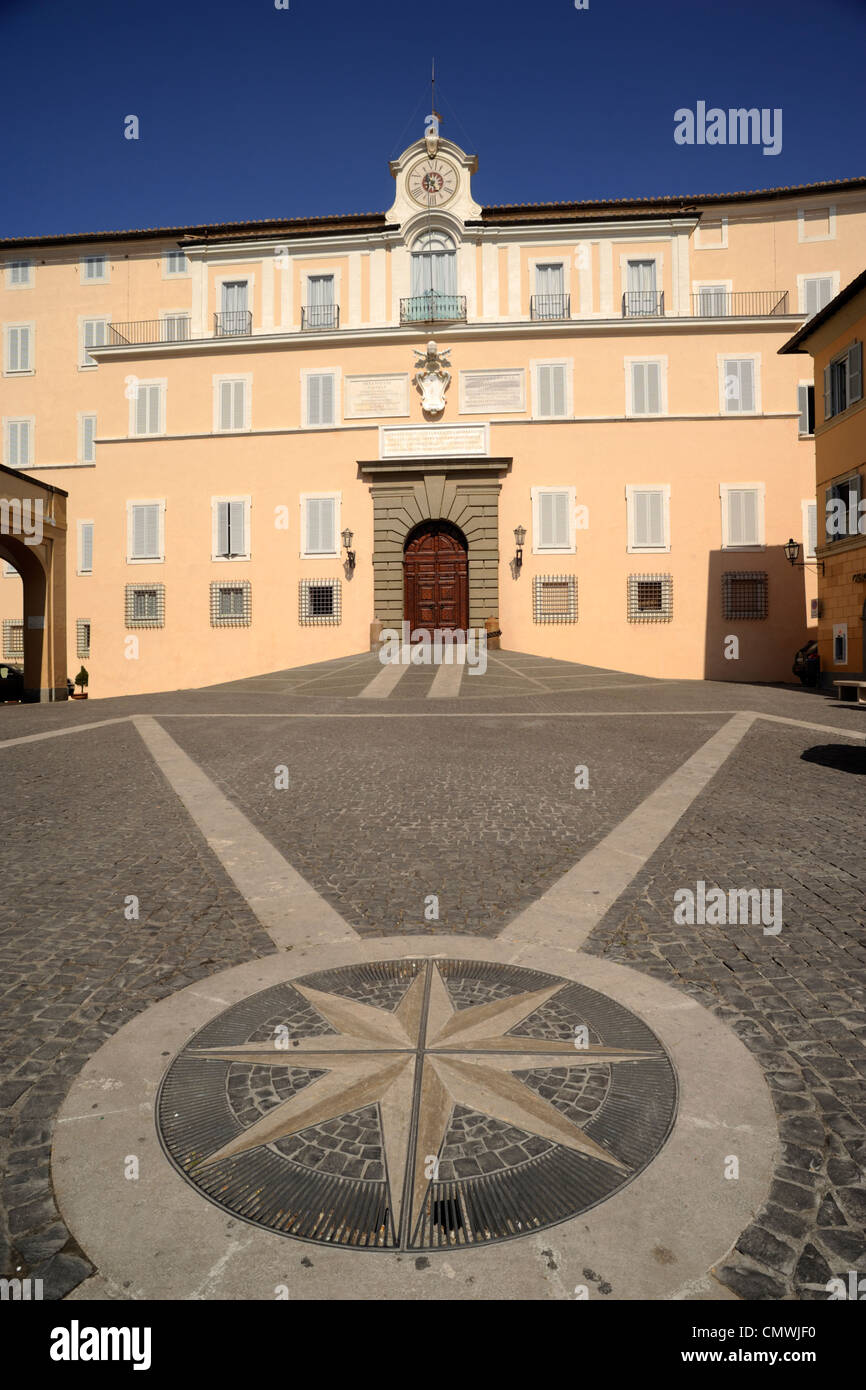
(231, 605)
(650, 598)
(320, 601)
(82, 637)
(13, 639)
(145, 605)
(744, 594)
(554, 598)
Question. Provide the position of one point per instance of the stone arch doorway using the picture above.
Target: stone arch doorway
(436, 577)
(33, 539)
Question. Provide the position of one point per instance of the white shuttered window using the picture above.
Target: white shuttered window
(232, 405)
(321, 398)
(320, 520)
(551, 390)
(147, 415)
(230, 528)
(19, 443)
(19, 348)
(648, 518)
(145, 531)
(738, 386)
(85, 547)
(553, 519)
(646, 388)
(742, 515)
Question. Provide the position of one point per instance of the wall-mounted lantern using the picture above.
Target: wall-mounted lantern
(792, 551)
(347, 542)
(519, 538)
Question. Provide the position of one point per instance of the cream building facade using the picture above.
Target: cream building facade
(222, 403)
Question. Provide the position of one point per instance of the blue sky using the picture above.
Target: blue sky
(247, 111)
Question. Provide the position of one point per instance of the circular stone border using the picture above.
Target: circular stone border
(154, 1236)
(306, 1183)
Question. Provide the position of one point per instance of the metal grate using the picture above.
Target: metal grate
(82, 637)
(320, 602)
(231, 605)
(650, 598)
(554, 598)
(13, 639)
(745, 594)
(145, 605)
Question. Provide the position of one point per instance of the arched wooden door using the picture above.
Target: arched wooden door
(436, 577)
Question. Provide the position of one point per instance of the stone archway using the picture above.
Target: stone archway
(33, 539)
(464, 492)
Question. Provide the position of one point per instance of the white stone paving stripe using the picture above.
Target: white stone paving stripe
(56, 733)
(289, 909)
(384, 681)
(447, 681)
(570, 909)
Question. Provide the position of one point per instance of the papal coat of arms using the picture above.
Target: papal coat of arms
(432, 378)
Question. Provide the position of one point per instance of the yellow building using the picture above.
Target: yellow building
(221, 403)
(835, 338)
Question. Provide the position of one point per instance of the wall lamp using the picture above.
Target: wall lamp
(519, 538)
(792, 551)
(347, 542)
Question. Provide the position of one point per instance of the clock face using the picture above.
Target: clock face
(432, 182)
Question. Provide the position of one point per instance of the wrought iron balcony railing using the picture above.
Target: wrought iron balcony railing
(169, 330)
(318, 316)
(643, 304)
(234, 323)
(710, 303)
(550, 306)
(433, 307)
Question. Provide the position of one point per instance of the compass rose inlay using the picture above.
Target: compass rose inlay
(417, 1104)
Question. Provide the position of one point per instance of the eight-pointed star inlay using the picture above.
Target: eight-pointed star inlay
(417, 1063)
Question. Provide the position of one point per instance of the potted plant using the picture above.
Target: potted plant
(81, 680)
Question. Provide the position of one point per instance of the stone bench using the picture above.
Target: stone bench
(857, 691)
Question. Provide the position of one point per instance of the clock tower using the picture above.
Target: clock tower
(433, 176)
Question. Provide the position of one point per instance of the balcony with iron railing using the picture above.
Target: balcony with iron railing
(433, 307)
(550, 306)
(233, 323)
(711, 304)
(643, 304)
(168, 330)
(317, 317)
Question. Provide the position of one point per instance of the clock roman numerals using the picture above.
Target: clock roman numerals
(432, 182)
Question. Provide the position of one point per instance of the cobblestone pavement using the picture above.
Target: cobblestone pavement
(94, 823)
(483, 817)
(785, 812)
(383, 811)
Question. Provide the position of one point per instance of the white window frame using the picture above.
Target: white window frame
(162, 383)
(631, 489)
(102, 279)
(555, 259)
(568, 364)
(722, 358)
(536, 494)
(85, 522)
(82, 416)
(311, 274)
(800, 384)
(713, 246)
(662, 362)
(337, 374)
(7, 449)
(145, 502)
(805, 504)
(31, 352)
(338, 540)
(626, 259)
(818, 207)
(831, 275)
(9, 265)
(246, 499)
(698, 285)
(249, 277)
(761, 489)
(247, 379)
(166, 314)
(175, 274)
(82, 349)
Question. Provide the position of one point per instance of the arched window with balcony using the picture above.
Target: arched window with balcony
(434, 282)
